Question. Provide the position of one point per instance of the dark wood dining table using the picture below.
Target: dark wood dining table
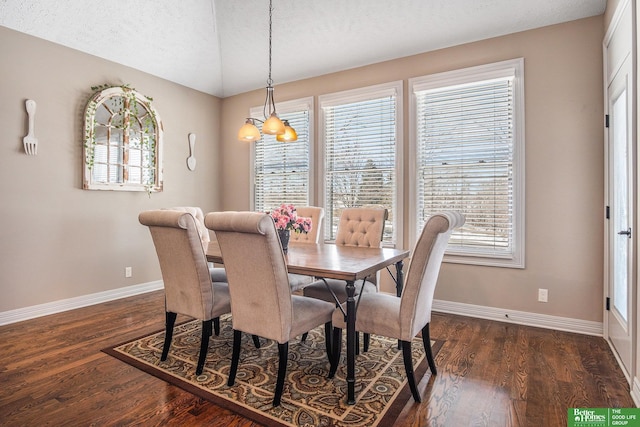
(348, 263)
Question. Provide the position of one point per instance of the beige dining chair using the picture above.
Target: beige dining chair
(187, 282)
(217, 273)
(299, 281)
(403, 318)
(261, 299)
(359, 227)
(317, 215)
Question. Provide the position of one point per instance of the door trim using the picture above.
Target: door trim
(610, 70)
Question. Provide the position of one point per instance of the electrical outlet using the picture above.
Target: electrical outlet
(543, 295)
(127, 272)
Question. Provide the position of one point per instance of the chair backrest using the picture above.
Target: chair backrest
(183, 263)
(256, 273)
(199, 216)
(317, 215)
(362, 227)
(422, 275)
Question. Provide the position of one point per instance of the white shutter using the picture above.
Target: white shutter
(360, 162)
(281, 169)
(466, 139)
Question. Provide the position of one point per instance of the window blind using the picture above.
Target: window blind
(360, 159)
(281, 169)
(465, 162)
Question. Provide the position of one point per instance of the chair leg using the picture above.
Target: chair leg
(328, 327)
(256, 341)
(408, 367)
(336, 347)
(304, 336)
(426, 341)
(367, 340)
(283, 354)
(357, 343)
(216, 326)
(170, 320)
(235, 356)
(204, 344)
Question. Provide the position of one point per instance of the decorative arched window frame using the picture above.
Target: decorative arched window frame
(122, 141)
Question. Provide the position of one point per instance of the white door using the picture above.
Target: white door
(620, 234)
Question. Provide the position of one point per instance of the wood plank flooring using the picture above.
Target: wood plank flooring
(52, 371)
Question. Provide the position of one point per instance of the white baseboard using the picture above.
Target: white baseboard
(510, 316)
(546, 321)
(20, 314)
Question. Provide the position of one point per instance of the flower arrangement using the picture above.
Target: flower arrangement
(286, 218)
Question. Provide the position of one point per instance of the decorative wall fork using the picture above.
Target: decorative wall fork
(30, 141)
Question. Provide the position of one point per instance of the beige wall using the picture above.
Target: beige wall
(58, 241)
(564, 163)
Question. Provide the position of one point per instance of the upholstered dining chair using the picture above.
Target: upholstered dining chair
(217, 273)
(403, 318)
(360, 227)
(317, 215)
(261, 299)
(298, 281)
(187, 282)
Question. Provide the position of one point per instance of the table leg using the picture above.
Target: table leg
(399, 285)
(399, 278)
(351, 343)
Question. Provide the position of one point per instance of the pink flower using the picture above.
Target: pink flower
(286, 218)
(303, 224)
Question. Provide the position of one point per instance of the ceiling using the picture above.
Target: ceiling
(220, 47)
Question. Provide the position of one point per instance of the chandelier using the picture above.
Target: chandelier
(271, 125)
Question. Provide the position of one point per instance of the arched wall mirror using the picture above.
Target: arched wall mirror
(122, 142)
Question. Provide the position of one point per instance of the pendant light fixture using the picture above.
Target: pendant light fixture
(271, 125)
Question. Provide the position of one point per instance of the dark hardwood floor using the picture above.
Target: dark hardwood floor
(52, 372)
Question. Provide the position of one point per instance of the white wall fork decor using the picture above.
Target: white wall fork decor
(30, 141)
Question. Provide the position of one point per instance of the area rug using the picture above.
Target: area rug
(309, 398)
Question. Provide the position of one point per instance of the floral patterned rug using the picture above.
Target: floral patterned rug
(309, 398)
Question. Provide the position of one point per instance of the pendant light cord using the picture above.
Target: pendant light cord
(269, 81)
(270, 103)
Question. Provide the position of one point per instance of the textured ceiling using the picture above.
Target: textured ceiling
(220, 46)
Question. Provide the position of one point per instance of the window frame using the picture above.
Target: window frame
(356, 95)
(515, 68)
(284, 108)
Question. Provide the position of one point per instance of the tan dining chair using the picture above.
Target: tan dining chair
(217, 273)
(261, 299)
(187, 282)
(317, 215)
(360, 227)
(403, 318)
(299, 281)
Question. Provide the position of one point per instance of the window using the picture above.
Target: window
(361, 133)
(123, 142)
(468, 136)
(282, 170)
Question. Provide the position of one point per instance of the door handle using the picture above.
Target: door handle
(627, 232)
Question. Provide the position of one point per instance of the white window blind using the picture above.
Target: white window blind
(282, 169)
(466, 137)
(360, 163)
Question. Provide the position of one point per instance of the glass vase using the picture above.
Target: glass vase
(284, 239)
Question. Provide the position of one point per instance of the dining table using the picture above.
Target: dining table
(348, 263)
